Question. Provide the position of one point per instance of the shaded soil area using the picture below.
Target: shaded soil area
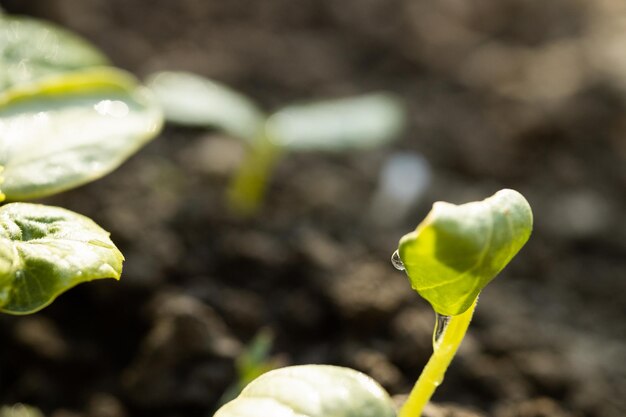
(501, 93)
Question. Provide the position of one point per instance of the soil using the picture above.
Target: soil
(502, 93)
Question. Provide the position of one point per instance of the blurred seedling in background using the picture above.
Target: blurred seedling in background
(66, 118)
(451, 256)
(20, 410)
(254, 361)
(337, 125)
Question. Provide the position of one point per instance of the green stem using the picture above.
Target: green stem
(432, 375)
(247, 189)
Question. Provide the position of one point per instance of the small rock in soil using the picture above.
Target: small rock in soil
(105, 405)
(412, 332)
(376, 365)
(496, 378)
(41, 335)
(213, 155)
(187, 339)
(241, 309)
(63, 412)
(367, 293)
(320, 248)
(545, 369)
(255, 246)
(298, 310)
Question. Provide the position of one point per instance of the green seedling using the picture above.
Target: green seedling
(20, 410)
(366, 121)
(449, 259)
(65, 119)
(253, 362)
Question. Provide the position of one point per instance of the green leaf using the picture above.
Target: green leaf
(253, 362)
(67, 130)
(359, 122)
(19, 409)
(31, 49)
(311, 391)
(45, 251)
(192, 100)
(457, 250)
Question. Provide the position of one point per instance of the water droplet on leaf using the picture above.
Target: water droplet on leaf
(396, 261)
(441, 323)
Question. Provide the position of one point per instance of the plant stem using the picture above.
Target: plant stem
(247, 188)
(432, 375)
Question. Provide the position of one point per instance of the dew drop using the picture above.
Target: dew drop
(441, 323)
(396, 261)
(106, 270)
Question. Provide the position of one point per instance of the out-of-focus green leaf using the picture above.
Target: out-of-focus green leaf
(352, 123)
(311, 391)
(457, 250)
(70, 129)
(255, 359)
(31, 49)
(190, 99)
(20, 410)
(253, 362)
(45, 251)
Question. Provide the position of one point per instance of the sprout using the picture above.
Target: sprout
(361, 122)
(449, 258)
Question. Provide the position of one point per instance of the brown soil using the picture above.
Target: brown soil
(502, 93)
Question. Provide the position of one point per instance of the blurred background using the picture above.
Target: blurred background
(521, 94)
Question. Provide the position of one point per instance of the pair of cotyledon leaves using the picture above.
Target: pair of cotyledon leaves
(358, 122)
(66, 118)
(449, 258)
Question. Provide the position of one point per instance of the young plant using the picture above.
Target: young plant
(449, 258)
(334, 125)
(65, 120)
(254, 361)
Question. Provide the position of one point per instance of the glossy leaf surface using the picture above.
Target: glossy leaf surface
(192, 100)
(458, 249)
(311, 391)
(351, 123)
(32, 49)
(46, 250)
(70, 129)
